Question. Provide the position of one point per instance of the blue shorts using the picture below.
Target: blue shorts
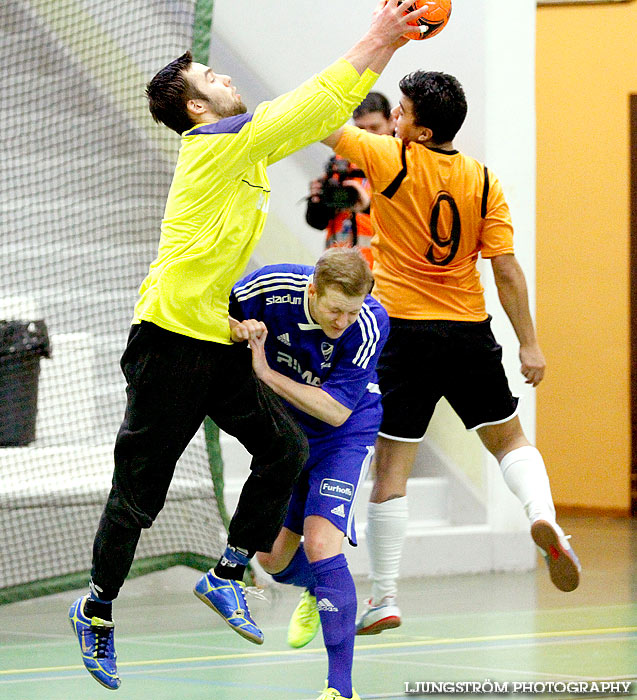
(328, 485)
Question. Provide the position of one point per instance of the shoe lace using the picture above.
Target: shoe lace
(256, 592)
(103, 637)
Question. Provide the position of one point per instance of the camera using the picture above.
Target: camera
(335, 195)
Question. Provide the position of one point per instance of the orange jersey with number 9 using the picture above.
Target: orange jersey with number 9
(433, 213)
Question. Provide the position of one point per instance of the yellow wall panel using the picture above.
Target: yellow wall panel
(586, 69)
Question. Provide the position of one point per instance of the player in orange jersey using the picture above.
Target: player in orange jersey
(434, 210)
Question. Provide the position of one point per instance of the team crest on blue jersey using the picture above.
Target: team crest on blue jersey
(327, 349)
(337, 489)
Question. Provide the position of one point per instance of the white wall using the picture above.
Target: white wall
(509, 134)
(289, 49)
(488, 45)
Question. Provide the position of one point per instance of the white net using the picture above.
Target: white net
(84, 175)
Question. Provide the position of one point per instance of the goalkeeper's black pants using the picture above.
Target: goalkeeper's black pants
(173, 382)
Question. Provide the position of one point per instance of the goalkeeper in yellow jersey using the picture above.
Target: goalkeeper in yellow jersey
(180, 364)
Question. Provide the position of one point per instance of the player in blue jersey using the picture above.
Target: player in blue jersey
(180, 363)
(316, 337)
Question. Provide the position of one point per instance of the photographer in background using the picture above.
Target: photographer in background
(339, 200)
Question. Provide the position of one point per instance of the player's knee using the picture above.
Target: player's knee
(294, 450)
(502, 438)
(125, 512)
(320, 546)
(300, 445)
(129, 518)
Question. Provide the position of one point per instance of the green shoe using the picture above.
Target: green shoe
(333, 694)
(304, 622)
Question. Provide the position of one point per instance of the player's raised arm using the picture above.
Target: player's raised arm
(325, 102)
(385, 35)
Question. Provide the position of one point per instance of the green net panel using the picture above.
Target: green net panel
(84, 176)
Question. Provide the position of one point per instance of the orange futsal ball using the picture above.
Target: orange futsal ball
(435, 19)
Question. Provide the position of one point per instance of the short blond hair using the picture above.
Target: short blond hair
(344, 268)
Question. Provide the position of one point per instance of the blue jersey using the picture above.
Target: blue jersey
(296, 346)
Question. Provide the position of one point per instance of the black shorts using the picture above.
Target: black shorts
(423, 361)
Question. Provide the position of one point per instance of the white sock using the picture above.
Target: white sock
(525, 474)
(386, 528)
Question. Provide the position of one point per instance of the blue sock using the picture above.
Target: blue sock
(336, 600)
(232, 564)
(297, 572)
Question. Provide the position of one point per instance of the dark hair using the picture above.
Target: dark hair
(439, 102)
(374, 102)
(169, 91)
(344, 268)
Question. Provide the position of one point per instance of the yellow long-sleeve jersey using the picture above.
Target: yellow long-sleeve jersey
(218, 201)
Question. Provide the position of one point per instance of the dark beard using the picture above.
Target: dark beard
(235, 110)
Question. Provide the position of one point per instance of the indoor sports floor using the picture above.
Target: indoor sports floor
(500, 627)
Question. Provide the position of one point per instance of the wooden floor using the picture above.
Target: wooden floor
(504, 628)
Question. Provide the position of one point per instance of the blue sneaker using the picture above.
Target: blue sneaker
(227, 598)
(563, 564)
(97, 645)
